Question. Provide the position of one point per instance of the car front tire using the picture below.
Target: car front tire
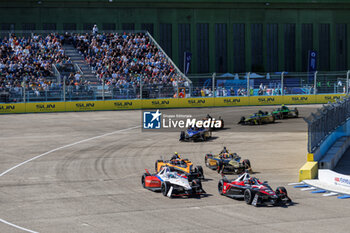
(248, 197)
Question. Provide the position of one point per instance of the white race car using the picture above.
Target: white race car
(171, 183)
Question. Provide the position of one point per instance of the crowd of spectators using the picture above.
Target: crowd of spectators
(121, 61)
(27, 62)
(220, 91)
(126, 60)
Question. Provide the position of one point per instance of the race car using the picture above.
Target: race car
(195, 134)
(227, 163)
(284, 112)
(184, 166)
(253, 191)
(258, 119)
(222, 124)
(171, 183)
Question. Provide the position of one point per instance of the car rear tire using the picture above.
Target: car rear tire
(259, 121)
(182, 136)
(221, 187)
(281, 190)
(242, 121)
(199, 170)
(246, 163)
(143, 180)
(248, 197)
(220, 166)
(206, 159)
(197, 182)
(164, 188)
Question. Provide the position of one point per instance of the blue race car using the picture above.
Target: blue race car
(195, 134)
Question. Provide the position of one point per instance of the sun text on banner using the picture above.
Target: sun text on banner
(325, 98)
(76, 106)
(231, 101)
(196, 102)
(159, 103)
(12, 108)
(46, 107)
(299, 99)
(121, 104)
(265, 100)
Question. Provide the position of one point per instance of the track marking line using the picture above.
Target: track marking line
(330, 194)
(16, 226)
(299, 183)
(63, 147)
(308, 189)
(49, 152)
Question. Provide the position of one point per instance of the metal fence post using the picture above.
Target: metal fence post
(103, 88)
(347, 81)
(64, 88)
(24, 92)
(213, 84)
(248, 85)
(141, 88)
(178, 87)
(315, 82)
(282, 81)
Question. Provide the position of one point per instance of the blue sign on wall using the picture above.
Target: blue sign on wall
(312, 61)
(187, 61)
(312, 65)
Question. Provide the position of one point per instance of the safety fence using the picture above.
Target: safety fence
(326, 120)
(90, 105)
(269, 84)
(202, 86)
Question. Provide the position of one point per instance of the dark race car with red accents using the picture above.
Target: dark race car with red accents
(253, 191)
(171, 183)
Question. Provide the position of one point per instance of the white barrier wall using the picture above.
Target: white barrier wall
(334, 178)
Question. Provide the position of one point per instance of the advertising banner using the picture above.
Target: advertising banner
(159, 103)
(12, 108)
(77, 106)
(265, 100)
(46, 107)
(331, 177)
(323, 99)
(299, 99)
(231, 101)
(121, 104)
(196, 102)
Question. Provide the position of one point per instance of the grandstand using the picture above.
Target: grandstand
(83, 64)
(224, 36)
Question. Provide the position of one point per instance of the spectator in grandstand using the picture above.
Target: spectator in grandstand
(28, 61)
(95, 30)
(127, 60)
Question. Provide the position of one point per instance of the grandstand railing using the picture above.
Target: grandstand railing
(56, 73)
(270, 84)
(188, 82)
(204, 85)
(325, 121)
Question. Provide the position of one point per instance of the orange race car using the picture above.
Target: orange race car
(178, 164)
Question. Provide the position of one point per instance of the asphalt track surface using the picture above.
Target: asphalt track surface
(88, 183)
